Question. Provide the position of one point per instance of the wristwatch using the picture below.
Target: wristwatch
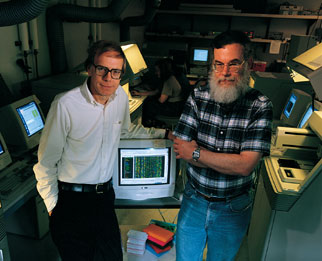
(196, 154)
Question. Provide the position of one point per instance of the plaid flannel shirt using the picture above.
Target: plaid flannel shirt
(244, 125)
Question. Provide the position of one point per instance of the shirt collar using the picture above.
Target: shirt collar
(89, 97)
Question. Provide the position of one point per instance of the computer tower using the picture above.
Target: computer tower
(30, 220)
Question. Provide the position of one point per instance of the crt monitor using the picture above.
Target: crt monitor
(317, 106)
(145, 169)
(24, 123)
(200, 56)
(308, 67)
(5, 158)
(295, 106)
(135, 63)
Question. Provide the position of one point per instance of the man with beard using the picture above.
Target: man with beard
(223, 132)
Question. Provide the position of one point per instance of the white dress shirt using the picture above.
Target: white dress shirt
(80, 140)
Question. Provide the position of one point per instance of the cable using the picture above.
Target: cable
(161, 214)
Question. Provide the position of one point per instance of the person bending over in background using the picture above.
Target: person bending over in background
(76, 156)
(223, 132)
(168, 101)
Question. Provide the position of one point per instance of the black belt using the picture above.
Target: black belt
(214, 199)
(97, 188)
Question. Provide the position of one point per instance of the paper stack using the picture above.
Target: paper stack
(136, 242)
(160, 240)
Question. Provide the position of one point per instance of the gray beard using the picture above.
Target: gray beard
(231, 94)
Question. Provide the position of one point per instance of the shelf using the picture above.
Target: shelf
(279, 16)
(255, 40)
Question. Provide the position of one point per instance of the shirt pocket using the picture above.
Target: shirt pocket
(116, 130)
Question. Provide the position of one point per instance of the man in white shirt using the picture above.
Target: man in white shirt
(76, 155)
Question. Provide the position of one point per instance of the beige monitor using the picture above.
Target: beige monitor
(308, 67)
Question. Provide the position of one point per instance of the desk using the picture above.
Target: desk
(24, 211)
(169, 202)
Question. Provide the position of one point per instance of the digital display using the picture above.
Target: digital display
(1, 149)
(200, 55)
(290, 105)
(144, 166)
(306, 116)
(31, 118)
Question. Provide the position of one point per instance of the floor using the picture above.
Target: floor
(24, 249)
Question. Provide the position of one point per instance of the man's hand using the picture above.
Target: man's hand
(170, 136)
(184, 149)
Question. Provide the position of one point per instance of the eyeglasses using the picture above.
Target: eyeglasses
(103, 71)
(232, 66)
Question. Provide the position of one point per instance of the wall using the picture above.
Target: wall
(76, 43)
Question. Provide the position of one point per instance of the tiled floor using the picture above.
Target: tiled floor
(25, 249)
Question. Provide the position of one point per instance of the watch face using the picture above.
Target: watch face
(196, 154)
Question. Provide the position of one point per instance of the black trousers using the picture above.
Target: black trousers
(84, 227)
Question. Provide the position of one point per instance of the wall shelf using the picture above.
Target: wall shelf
(276, 16)
(209, 37)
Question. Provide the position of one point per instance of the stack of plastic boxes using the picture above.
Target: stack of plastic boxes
(136, 242)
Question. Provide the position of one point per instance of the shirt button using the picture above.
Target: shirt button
(218, 149)
(221, 132)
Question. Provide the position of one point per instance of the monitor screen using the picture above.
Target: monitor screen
(295, 107)
(25, 122)
(308, 112)
(144, 166)
(200, 55)
(290, 105)
(31, 118)
(5, 158)
(144, 169)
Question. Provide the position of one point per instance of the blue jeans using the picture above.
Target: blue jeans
(220, 225)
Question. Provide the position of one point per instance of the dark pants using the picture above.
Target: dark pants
(84, 226)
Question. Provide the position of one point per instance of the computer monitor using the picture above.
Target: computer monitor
(200, 56)
(126, 88)
(317, 106)
(135, 66)
(5, 158)
(145, 169)
(295, 107)
(24, 122)
(308, 67)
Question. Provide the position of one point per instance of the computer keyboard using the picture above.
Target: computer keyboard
(16, 181)
(135, 103)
